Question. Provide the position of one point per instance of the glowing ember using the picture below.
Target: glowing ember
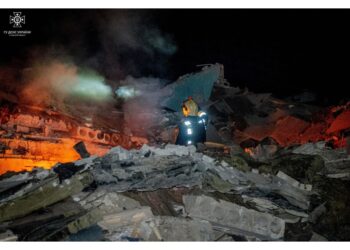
(248, 151)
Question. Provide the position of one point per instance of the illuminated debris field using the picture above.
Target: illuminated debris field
(270, 170)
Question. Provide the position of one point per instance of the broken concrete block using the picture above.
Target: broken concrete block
(150, 173)
(120, 173)
(224, 164)
(208, 159)
(115, 221)
(217, 183)
(295, 196)
(294, 182)
(118, 154)
(107, 202)
(40, 173)
(255, 171)
(170, 149)
(268, 184)
(229, 174)
(261, 204)
(85, 221)
(265, 205)
(67, 207)
(227, 216)
(50, 192)
(86, 161)
(178, 229)
(103, 177)
(310, 148)
(178, 209)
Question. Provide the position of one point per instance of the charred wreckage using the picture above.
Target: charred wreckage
(269, 169)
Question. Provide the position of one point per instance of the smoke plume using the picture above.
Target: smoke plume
(57, 83)
(141, 102)
(87, 63)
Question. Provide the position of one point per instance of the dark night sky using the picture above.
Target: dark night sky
(279, 51)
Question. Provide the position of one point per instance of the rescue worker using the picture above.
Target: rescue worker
(192, 128)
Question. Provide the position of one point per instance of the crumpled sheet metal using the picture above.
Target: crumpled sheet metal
(198, 85)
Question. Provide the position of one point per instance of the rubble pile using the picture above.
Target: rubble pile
(242, 117)
(238, 116)
(271, 170)
(36, 136)
(178, 193)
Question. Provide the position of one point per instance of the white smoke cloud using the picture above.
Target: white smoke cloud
(55, 83)
(141, 102)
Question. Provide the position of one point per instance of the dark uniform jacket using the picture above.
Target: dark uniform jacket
(192, 130)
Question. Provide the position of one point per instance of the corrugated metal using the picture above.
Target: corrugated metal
(198, 85)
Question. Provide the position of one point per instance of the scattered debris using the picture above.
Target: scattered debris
(50, 192)
(131, 217)
(272, 170)
(293, 182)
(232, 218)
(81, 150)
(180, 229)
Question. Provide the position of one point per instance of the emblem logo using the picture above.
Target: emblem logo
(17, 19)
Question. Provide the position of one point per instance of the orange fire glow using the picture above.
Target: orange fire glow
(35, 137)
(43, 154)
(248, 151)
